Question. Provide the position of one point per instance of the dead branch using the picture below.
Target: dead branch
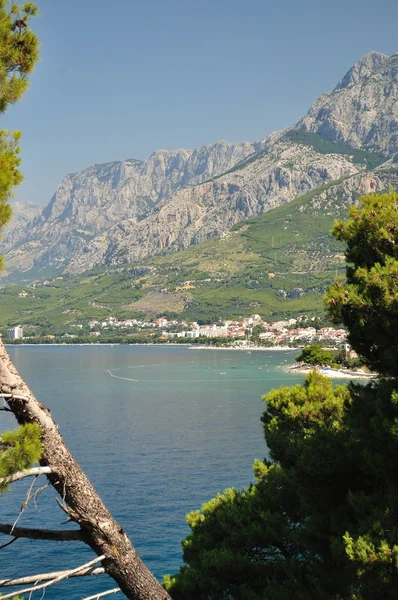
(24, 504)
(64, 575)
(74, 535)
(49, 576)
(37, 492)
(101, 594)
(26, 473)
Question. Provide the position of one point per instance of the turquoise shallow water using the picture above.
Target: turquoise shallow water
(158, 431)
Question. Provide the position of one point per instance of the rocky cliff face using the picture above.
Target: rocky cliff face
(363, 109)
(126, 211)
(90, 202)
(193, 215)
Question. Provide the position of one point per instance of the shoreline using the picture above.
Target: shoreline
(332, 373)
(174, 345)
(243, 349)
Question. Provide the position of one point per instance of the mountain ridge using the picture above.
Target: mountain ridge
(125, 211)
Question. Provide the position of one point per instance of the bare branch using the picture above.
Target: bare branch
(65, 575)
(49, 576)
(42, 534)
(37, 492)
(101, 594)
(8, 543)
(26, 473)
(24, 504)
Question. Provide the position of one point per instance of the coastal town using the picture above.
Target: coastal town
(299, 331)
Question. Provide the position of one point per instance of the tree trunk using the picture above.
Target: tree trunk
(99, 529)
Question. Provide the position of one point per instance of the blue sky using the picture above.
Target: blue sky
(121, 79)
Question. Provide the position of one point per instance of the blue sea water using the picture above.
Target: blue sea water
(158, 431)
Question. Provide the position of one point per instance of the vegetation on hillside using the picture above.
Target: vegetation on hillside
(321, 144)
(276, 265)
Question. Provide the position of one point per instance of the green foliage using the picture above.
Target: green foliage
(367, 303)
(259, 542)
(314, 354)
(19, 52)
(19, 449)
(342, 358)
(320, 520)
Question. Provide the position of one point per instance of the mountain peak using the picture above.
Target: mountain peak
(362, 68)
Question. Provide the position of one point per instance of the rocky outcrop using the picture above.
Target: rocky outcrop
(195, 214)
(126, 211)
(90, 202)
(364, 67)
(362, 110)
(23, 214)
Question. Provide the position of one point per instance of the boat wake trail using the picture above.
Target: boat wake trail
(118, 376)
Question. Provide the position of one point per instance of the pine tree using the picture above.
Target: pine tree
(19, 52)
(321, 521)
(367, 302)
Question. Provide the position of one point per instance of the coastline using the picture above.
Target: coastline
(243, 349)
(174, 345)
(333, 373)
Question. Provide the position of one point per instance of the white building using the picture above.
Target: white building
(15, 333)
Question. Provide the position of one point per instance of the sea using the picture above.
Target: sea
(158, 430)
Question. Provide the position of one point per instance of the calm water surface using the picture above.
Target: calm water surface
(158, 432)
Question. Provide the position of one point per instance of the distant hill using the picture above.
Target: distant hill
(125, 212)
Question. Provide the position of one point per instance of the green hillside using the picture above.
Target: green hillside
(276, 264)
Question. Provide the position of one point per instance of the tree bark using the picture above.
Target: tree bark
(99, 529)
(67, 535)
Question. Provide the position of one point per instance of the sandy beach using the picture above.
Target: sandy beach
(334, 373)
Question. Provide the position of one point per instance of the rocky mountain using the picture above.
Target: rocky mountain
(23, 213)
(126, 211)
(90, 202)
(362, 110)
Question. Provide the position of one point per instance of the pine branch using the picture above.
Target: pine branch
(64, 575)
(41, 534)
(49, 576)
